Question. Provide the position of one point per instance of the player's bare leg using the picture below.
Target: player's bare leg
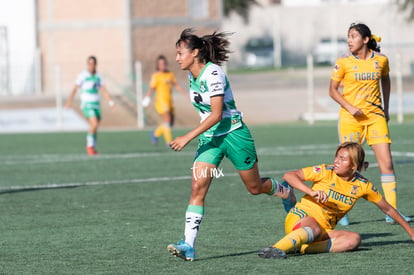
(91, 137)
(201, 180)
(256, 185)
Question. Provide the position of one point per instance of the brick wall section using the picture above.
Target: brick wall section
(69, 31)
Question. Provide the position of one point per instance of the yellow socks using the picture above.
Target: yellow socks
(167, 134)
(295, 239)
(389, 186)
(164, 129)
(159, 131)
(318, 247)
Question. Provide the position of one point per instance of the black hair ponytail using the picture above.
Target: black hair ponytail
(212, 48)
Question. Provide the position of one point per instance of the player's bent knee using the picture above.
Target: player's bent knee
(356, 242)
(353, 242)
(254, 190)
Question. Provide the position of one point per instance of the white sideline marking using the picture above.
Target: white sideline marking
(323, 149)
(108, 182)
(51, 158)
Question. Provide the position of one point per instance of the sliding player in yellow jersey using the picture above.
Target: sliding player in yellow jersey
(363, 115)
(310, 224)
(162, 82)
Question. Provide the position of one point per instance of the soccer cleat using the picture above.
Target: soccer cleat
(154, 139)
(272, 253)
(91, 151)
(290, 201)
(390, 220)
(344, 221)
(182, 250)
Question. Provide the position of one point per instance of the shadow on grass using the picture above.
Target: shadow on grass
(367, 221)
(382, 243)
(36, 188)
(229, 255)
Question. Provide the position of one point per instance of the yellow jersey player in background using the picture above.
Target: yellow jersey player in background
(363, 115)
(162, 82)
(310, 223)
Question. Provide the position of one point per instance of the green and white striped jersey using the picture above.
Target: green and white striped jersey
(213, 82)
(89, 85)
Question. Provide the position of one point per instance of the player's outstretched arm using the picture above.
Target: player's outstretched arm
(390, 211)
(147, 98)
(181, 90)
(69, 101)
(107, 96)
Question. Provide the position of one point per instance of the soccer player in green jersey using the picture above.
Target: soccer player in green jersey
(90, 83)
(221, 132)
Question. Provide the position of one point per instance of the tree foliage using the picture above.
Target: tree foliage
(241, 7)
(408, 7)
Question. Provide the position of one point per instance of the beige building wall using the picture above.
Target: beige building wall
(118, 33)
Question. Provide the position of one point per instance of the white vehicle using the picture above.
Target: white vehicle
(258, 52)
(328, 50)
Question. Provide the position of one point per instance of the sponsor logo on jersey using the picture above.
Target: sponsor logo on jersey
(376, 65)
(203, 86)
(336, 68)
(317, 169)
(340, 197)
(374, 189)
(367, 76)
(216, 86)
(214, 73)
(197, 97)
(333, 185)
(355, 68)
(354, 190)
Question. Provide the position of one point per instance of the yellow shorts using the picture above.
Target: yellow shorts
(164, 107)
(374, 132)
(292, 222)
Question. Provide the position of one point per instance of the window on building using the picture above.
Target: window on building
(199, 9)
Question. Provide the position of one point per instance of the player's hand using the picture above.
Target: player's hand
(111, 104)
(319, 196)
(68, 105)
(146, 101)
(354, 111)
(179, 143)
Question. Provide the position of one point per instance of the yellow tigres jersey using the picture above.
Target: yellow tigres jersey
(361, 81)
(342, 195)
(162, 82)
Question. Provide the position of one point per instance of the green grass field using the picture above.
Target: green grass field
(66, 213)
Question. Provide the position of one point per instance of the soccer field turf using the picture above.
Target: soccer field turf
(66, 213)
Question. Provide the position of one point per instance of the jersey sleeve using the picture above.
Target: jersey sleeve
(338, 71)
(314, 173)
(153, 81)
(101, 81)
(79, 80)
(386, 67)
(216, 81)
(173, 79)
(372, 193)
